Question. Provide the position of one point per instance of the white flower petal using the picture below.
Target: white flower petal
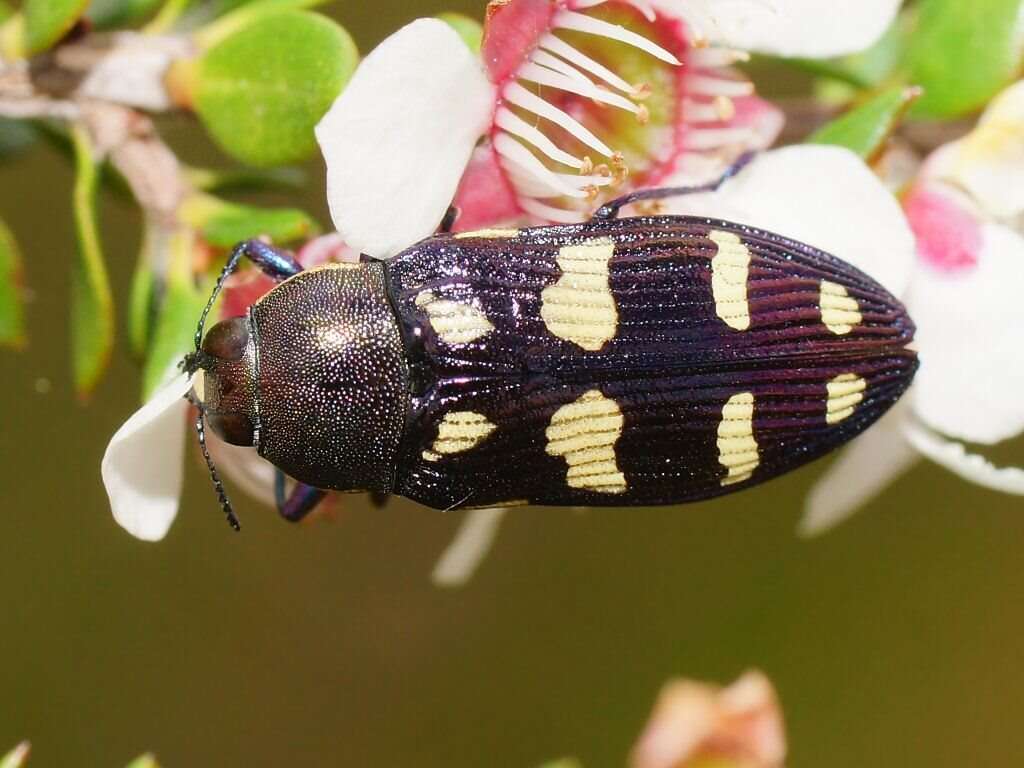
(814, 28)
(863, 470)
(823, 196)
(970, 466)
(398, 138)
(970, 327)
(989, 161)
(142, 467)
(468, 549)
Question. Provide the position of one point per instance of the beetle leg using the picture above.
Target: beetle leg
(610, 210)
(450, 217)
(299, 502)
(273, 262)
(379, 499)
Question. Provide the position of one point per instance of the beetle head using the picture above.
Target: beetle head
(228, 381)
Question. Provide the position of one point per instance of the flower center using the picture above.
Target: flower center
(587, 99)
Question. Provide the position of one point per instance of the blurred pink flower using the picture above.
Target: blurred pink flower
(696, 724)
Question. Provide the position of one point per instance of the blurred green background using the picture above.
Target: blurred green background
(893, 640)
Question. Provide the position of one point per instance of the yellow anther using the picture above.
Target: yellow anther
(725, 108)
(643, 114)
(641, 91)
(588, 166)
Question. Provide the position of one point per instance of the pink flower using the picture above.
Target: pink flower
(569, 100)
(696, 724)
(966, 208)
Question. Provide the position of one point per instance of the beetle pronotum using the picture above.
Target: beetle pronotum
(637, 361)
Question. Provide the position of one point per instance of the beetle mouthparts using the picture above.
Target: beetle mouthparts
(193, 361)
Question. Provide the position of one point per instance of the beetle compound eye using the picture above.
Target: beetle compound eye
(228, 339)
(234, 428)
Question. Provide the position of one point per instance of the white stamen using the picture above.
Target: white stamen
(516, 153)
(545, 59)
(712, 138)
(511, 122)
(516, 94)
(720, 86)
(544, 76)
(542, 211)
(715, 57)
(583, 23)
(640, 5)
(720, 109)
(526, 186)
(584, 62)
(584, 181)
(468, 549)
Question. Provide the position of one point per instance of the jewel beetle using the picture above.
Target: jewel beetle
(619, 361)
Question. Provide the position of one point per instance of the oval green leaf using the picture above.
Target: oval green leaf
(105, 14)
(225, 224)
(470, 30)
(175, 325)
(865, 128)
(261, 90)
(964, 52)
(12, 313)
(92, 303)
(47, 21)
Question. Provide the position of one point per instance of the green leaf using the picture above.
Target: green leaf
(261, 91)
(92, 304)
(47, 21)
(469, 30)
(224, 224)
(12, 313)
(245, 179)
(175, 325)
(144, 761)
(142, 304)
(105, 14)
(963, 53)
(17, 757)
(6, 11)
(865, 128)
(238, 14)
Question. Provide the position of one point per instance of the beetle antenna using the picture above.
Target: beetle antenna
(222, 495)
(195, 360)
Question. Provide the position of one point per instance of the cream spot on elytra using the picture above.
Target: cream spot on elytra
(580, 307)
(730, 268)
(458, 432)
(737, 448)
(584, 433)
(455, 322)
(845, 392)
(488, 234)
(840, 312)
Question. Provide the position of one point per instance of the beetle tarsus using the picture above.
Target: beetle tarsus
(610, 210)
(299, 502)
(450, 217)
